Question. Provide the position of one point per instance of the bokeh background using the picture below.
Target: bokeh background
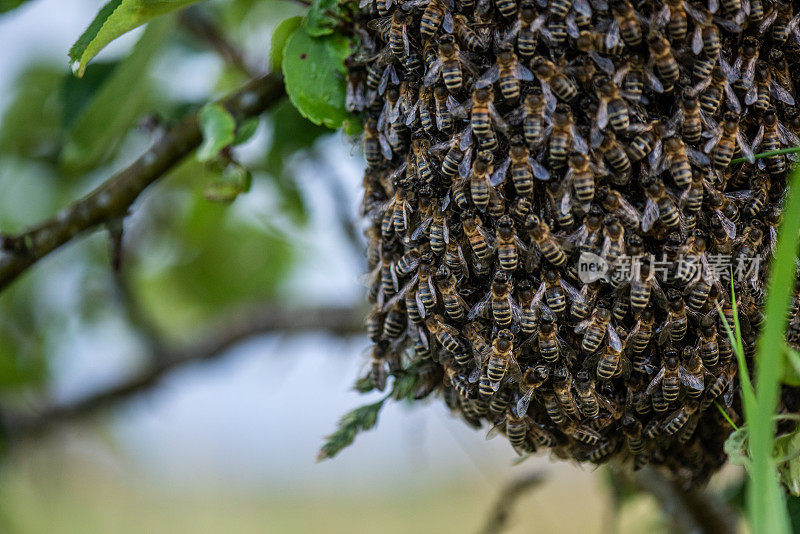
(227, 445)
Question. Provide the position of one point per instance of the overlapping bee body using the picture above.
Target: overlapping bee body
(511, 144)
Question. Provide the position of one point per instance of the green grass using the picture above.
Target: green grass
(766, 505)
(767, 154)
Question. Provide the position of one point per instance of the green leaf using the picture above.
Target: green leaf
(245, 130)
(791, 368)
(219, 131)
(116, 18)
(280, 37)
(314, 71)
(77, 93)
(116, 106)
(322, 17)
(233, 181)
(351, 423)
(8, 5)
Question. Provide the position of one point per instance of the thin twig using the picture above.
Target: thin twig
(510, 494)
(205, 29)
(112, 199)
(240, 327)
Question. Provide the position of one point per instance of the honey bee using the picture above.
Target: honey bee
(516, 431)
(773, 135)
(445, 335)
(690, 118)
(526, 28)
(556, 31)
(611, 361)
(481, 349)
(532, 379)
(642, 285)
(703, 67)
(639, 337)
(632, 77)
(395, 322)
(708, 346)
(595, 329)
(720, 385)
(660, 206)
(712, 91)
(706, 37)
(448, 65)
(376, 147)
(508, 72)
(499, 403)
(483, 114)
(534, 123)
(554, 82)
(677, 160)
(744, 67)
(632, 429)
(507, 244)
(612, 107)
(443, 103)
(693, 376)
(426, 294)
(673, 16)
(587, 396)
(666, 66)
(583, 302)
(582, 433)
(564, 137)
(668, 377)
(680, 418)
(558, 200)
(479, 183)
(613, 240)
(553, 409)
(523, 168)
(783, 24)
(615, 203)
(562, 387)
(723, 144)
(395, 30)
(625, 24)
(467, 35)
(581, 176)
(559, 8)
(592, 45)
(503, 306)
(454, 305)
(435, 15)
(647, 142)
(500, 361)
(547, 244)
(479, 240)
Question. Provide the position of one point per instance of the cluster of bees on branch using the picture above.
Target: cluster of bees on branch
(504, 139)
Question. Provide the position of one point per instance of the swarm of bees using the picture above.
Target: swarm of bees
(510, 144)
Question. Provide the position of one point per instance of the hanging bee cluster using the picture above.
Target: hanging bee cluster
(556, 212)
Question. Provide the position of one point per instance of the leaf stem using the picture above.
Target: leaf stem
(767, 154)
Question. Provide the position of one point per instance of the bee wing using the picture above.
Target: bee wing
(433, 72)
(583, 325)
(498, 119)
(579, 141)
(400, 294)
(613, 338)
(523, 73)
(697, 157)
(512, 32)
(780, 93)
(465, 165)
(573, 293)
(655, 382)
(620, 74)
(650, 215)
(626, 206)
(572, 26)
(689, 380)
(787, 136)
(605, 64)
(480, 307)
(447, 22)
(523, 403)
(495, 430)
(488, 77)
(612, 35)
(768, 20)
(727, 224)
(747, 152)
(537, 297)
(549, 98)
(602, 114)
(539, 171)
(421, 228)
(499, 175)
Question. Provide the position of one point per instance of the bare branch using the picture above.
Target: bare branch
(240, 327)
(112, 199)
(510, 494)
(205, 29)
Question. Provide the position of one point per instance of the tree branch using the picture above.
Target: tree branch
(113, 198)
(240, 327)
(510, 494)
(692, 511)
(205, 29)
